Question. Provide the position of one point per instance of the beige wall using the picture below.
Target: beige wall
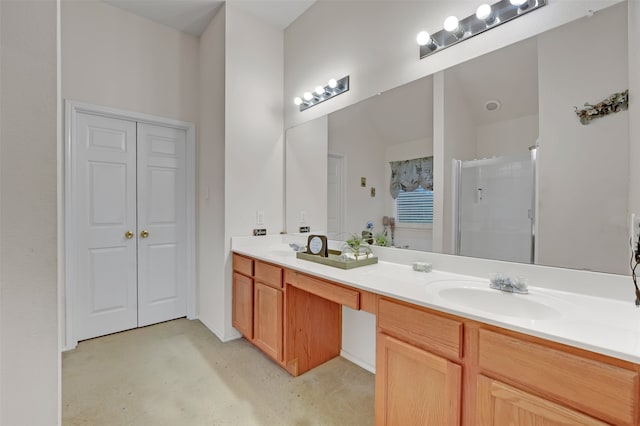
(114, 58)
(110, 57)
(30, 363)
(306, 178)
(210, 157)
(459, 143)
(352, 43)
(254, 142)
(578, 165)
(634, 103)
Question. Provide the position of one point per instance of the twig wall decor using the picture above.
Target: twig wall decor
(614, 103)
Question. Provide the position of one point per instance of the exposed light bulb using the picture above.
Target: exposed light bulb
(451, 24)
(423, 38)
(319, 90)
(297, 100)
(517, 2)
(308, 96)
(333, 83)
(483, 12)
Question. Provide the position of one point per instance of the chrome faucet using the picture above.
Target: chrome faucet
(508, 284)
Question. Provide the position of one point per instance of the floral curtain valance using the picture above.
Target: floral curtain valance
(408, 175)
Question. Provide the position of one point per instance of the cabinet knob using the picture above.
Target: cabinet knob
(128, 235)
(144, 233)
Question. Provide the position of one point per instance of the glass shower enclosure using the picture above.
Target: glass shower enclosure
(494, 207)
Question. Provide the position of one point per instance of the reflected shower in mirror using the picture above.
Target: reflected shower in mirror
(492, 114)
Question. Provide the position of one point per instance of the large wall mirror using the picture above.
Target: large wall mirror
(515, 175)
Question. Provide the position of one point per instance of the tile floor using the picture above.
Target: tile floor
(179, 373)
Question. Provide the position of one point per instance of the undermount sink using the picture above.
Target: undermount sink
(477, 295)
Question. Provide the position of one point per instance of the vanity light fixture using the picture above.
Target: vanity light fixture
(452, 25)
(425, 39)
(322, 93)
(485, 14)
(486, 17)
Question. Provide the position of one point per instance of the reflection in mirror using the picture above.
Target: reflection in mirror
(491, 130)
(366, 137)
(489, 112)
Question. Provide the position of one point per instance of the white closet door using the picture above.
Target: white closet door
(104, 187)
(162, 268)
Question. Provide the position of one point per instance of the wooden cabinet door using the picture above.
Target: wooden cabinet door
(500, 404)
(267, 317)
(242, 316)
(414, 387)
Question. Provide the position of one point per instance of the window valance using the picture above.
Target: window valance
(408, 175)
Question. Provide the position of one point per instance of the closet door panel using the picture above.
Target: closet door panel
(104, 193)
(161, 223)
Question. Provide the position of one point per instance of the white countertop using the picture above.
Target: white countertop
(597, 324)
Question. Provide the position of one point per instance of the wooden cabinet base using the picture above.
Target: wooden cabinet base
(267, 330)
(500, 404)
(313, 330)
(414, 387)
(431, 367)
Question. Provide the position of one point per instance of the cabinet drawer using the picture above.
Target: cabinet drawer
(431, 331)
(243, 265)
(268, 274)
(602, 390)
(326, 290)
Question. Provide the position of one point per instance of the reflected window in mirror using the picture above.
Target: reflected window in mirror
(415, 208)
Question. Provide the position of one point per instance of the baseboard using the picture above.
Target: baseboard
(358, 361)
(221, 335)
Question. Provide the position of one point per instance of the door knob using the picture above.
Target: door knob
(144, 233)
(129, 235)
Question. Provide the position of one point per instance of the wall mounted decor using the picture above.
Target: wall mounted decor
(614, 103)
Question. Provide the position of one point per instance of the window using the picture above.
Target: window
(415, 207)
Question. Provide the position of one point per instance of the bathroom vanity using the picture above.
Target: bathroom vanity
(442, 362)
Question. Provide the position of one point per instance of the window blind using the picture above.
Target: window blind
(415, 206)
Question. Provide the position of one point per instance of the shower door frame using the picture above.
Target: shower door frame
(457, 187)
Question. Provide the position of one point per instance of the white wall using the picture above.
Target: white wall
(460, 144)
(254, 142)
(210, 156)
(30, 360)
(306, 176)
(507, 138)
(352, 136)
(578, 162)
(353, 44)
(114, 58)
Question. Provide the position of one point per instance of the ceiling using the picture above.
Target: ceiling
(193, 16)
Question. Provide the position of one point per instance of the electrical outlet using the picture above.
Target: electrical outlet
(259, 231)
(304, 229)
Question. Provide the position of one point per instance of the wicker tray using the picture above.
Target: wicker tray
(336, 261)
